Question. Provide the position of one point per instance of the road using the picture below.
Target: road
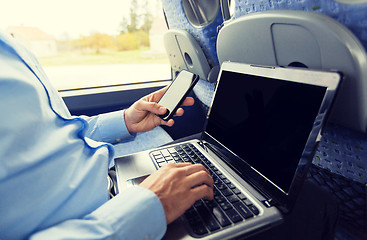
(83, 76)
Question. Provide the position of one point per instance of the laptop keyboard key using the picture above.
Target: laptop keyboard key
(223, 177)
(165, 153)
(233, 198)
(195, 223)
(159, 160)
(211, 224)
(236, 191)
(199, 229)
(226, 181)
(219, 199)
(225, 205)
(161, 164)
(247, 202)
(210, 203)
(242, 196)
(216, 192)
(254, 209)
(226, 192)
(208, 219)
(243, 210)
(221, 186)
(172, 151)
(221, 217)
(234, 216)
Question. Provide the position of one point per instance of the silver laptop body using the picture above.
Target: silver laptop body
(261, 131)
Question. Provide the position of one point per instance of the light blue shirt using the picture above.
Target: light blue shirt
(53, 167)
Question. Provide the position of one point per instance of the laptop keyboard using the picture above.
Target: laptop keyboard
(229, 206)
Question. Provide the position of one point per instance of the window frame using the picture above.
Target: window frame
(96, 100)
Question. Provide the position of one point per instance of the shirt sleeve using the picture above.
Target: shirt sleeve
(60, 179)
(108, 127)
(123, 217)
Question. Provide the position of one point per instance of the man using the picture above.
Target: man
(53, 167)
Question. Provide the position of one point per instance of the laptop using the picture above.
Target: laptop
(261, 131)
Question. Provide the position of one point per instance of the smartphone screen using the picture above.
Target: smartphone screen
(177, 92)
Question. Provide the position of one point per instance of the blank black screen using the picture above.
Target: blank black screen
(264, 121)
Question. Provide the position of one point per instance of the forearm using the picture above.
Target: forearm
(133, 214)
(108, 127)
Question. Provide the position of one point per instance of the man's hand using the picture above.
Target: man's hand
(179, 186)
(141, 116)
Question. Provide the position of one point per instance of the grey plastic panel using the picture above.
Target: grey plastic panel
(293, 46)
(352, 1)
(184, 53)
(302, 38)
(200, 13)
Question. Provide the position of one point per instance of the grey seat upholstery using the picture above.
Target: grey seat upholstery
(284, 38)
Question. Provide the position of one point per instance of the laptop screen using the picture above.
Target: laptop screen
(264, 121)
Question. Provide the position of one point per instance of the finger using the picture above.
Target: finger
(202, 191)
(195, 168)
(179, 112)
(200, 178)
(168, 123)
(177, 165)
(189, 101)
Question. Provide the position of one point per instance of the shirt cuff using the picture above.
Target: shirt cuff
(112, 127)
(142, 211)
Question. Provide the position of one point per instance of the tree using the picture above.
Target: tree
(96, 41)
(140, 18)
(134, 17)
(127, 41)
(147, 18)
(124, 25)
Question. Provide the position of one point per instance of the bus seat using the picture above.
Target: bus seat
(352, 14)
(184, 53)
(191, 43)
(298, 38)
(200, 19)
(307, 39)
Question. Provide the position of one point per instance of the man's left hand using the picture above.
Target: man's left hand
(141, 116)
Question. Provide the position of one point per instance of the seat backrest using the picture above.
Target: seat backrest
(301, 38)
(184, 53)
(191, 42)
(198, 18)
(350, 13)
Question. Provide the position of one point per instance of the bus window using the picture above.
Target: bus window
(91, 43)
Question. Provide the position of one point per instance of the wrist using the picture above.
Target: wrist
(127, 122)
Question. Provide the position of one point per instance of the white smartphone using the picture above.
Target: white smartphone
(177, 92)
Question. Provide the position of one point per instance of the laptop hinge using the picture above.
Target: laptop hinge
(202, 144)
(268, 203)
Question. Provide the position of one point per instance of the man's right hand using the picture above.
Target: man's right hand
(179, 186)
